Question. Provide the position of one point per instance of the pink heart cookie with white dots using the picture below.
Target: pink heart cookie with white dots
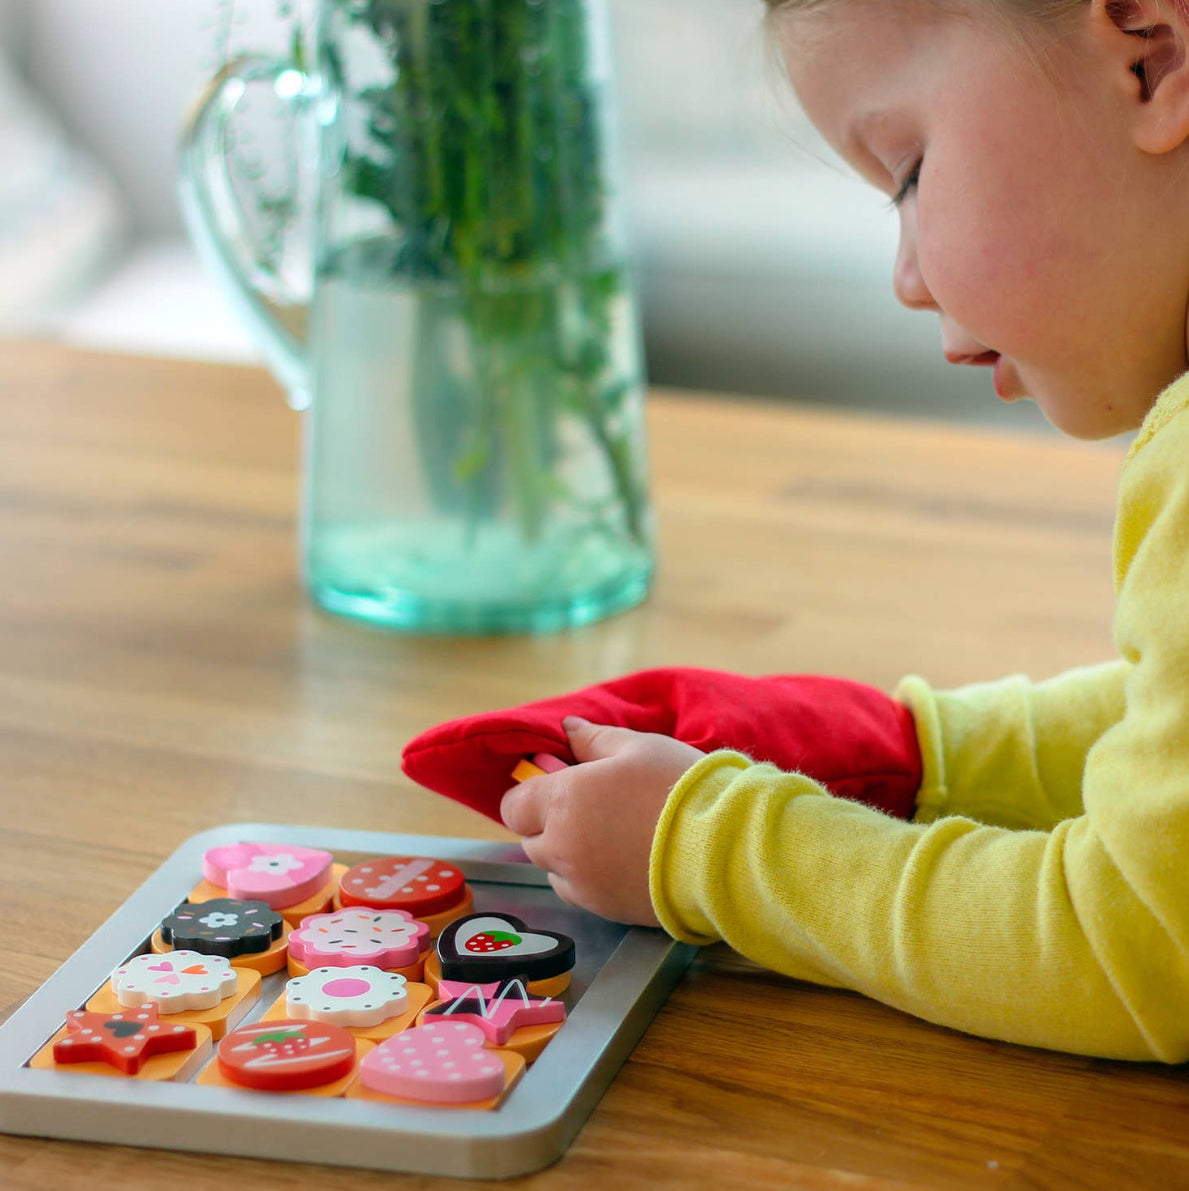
(445, 1063)
(175, 982)
(280, 874)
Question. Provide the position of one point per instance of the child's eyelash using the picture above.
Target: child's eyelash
(914, 176)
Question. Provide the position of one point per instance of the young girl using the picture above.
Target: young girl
(1037, 152)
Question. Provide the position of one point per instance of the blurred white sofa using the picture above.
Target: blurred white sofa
(764, 266)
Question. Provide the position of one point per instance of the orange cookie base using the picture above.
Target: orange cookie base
(212, 1077)
(513, 1064)
(553, 987)
(436, 922)
(226, 1015)
(264, 962)
(419, 996)
(412, 972)
(174, 1064)
(204, 891)
(527, 1042)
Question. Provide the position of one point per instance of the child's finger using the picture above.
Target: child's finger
(561, 886)
(522, 809)
(537, 850)
(594, 742)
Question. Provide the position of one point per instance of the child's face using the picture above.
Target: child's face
(1030, 230)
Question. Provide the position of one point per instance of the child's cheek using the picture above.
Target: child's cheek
(984, 269)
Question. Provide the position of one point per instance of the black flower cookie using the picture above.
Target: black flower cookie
(223, 926)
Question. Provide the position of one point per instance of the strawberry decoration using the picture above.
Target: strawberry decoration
(491, 940)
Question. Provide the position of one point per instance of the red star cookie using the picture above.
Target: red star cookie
(123, 1040)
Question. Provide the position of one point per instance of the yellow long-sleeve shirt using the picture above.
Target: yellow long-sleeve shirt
(1041, 893)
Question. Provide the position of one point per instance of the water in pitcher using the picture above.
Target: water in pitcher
(474, 457)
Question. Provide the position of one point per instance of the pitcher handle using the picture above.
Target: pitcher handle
(274, 314)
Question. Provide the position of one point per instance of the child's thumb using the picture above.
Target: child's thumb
(593, 742)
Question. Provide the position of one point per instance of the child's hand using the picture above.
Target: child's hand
(590, 826)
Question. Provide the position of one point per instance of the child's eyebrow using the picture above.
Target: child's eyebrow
(856, 144)
(858, 133)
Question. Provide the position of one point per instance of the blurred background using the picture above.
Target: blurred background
(763, 265)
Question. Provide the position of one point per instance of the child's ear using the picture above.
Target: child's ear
(1149, 41)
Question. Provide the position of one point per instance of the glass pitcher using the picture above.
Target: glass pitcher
(469, 360)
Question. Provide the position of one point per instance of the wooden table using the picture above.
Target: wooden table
(161, 673)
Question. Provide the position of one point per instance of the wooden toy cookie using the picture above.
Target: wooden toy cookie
(506, 1014)
(287, 1056)
(444, 1064)
(152, 978)
(134, 1042)
(485, 948)
(417, 996)
(359, 996)
(255, 938)
(419, 884)
(223, 926)
(444, 989)
(357, 934)
(175, 982)
(279, 874)
(298, 864)
(541, 764)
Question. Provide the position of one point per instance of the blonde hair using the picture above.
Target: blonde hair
(1045, 11)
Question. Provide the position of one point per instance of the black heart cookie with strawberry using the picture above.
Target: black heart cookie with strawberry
(484, 948)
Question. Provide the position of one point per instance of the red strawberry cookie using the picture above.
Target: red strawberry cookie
(286, 1055)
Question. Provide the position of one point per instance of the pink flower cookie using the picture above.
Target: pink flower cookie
(445, 1063)
(357, 935)
(355, 997)
(279, 874)
(175, 982)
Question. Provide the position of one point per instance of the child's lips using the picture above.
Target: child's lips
(992, 360)
(1001, 381)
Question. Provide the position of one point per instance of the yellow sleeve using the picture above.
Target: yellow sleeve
(1011, 753)
(1075, 938)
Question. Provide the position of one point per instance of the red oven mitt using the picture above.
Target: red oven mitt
(855, 740)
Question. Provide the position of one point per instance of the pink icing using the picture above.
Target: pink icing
(280, 874)
(442, 1064)
(359, 935)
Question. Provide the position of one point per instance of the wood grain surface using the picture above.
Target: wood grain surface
(161, 672)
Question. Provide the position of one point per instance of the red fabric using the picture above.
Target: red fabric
(854, 739)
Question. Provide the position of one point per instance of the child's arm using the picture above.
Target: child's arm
(1011, 753)
(1076, 938)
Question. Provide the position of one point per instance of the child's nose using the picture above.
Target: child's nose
(907, 283)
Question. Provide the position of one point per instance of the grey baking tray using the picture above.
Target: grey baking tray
(621, 978)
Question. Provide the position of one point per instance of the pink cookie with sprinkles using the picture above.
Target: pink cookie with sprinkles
(358, 935)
